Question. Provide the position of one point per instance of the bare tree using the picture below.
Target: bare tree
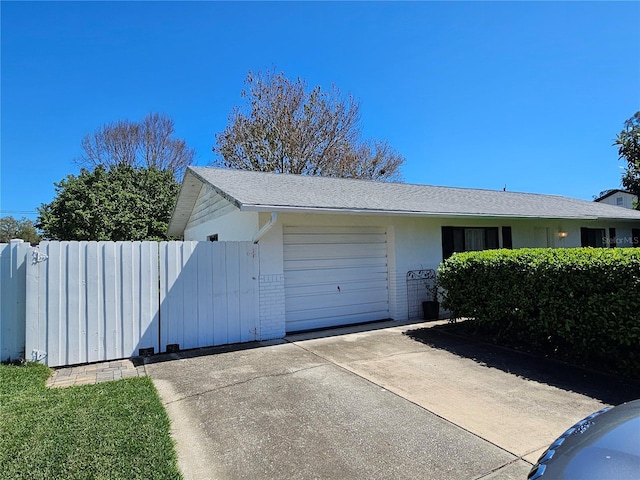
(375, 160)
(286, 128)
(149, 143)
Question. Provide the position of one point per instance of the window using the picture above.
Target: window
(612, 238)
(593, 237)
(507, 242)
(468, 239)
(619, 201)
(213, 238)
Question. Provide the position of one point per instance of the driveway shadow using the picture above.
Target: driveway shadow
(202, 352)
(606, 388)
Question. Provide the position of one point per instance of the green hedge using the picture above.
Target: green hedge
(583, 303)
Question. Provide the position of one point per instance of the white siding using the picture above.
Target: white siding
(235, 226)
(209, 205)
(627, 199)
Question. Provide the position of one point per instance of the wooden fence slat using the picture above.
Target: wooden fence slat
(110, 345)
(129, 334)
(248, 286)
(220, 301)
(94, 314)
(32, 306)
(189, 276)
(42, 346)
(13, 283)
(204, 284)
(149, 298)
(73, 299)
(54, 307)
(233, 293)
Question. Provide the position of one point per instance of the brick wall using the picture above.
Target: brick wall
(272, 314)
(397, 295)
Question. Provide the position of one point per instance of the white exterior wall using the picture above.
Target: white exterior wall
(526, 233)
(624, 236)
(272, 307)
(627, 199)
(235, 226)
(414, 243)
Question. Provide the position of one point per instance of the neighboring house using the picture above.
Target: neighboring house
(338, 251)
(619, 198)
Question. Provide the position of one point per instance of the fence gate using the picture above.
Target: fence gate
(208, 293)
(98, 301)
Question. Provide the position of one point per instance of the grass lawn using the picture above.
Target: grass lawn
(112, 430)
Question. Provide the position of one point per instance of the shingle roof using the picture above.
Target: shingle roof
(259, 191)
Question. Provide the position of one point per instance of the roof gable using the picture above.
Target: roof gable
(613, 192)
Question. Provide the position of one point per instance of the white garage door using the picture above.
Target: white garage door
(335, 276)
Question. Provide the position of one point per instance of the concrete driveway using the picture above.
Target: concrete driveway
(376, 402)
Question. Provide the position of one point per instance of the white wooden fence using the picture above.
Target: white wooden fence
(208, 293)
(13, 258)
(96, 301)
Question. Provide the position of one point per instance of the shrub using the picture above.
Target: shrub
(582, 302)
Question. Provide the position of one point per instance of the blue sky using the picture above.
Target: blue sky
(472, 94)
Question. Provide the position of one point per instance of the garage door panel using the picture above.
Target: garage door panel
(330, 286)
(335, 263)
(328, 239)
(333, 229)
(312, 296)
(335, 276)
(366, 313)
(338, 250)
(326, 321)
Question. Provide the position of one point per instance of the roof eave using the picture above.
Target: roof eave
(404, 213)
(192, 183)
(184, 202)
(234, 201)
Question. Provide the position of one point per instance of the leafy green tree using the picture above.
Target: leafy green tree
(24, 229)
(628, 142)
(286, 127)
(122, 202)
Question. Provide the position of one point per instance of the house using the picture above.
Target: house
(338, 251)
(619, 198)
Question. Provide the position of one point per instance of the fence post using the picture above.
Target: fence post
(34, 348)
